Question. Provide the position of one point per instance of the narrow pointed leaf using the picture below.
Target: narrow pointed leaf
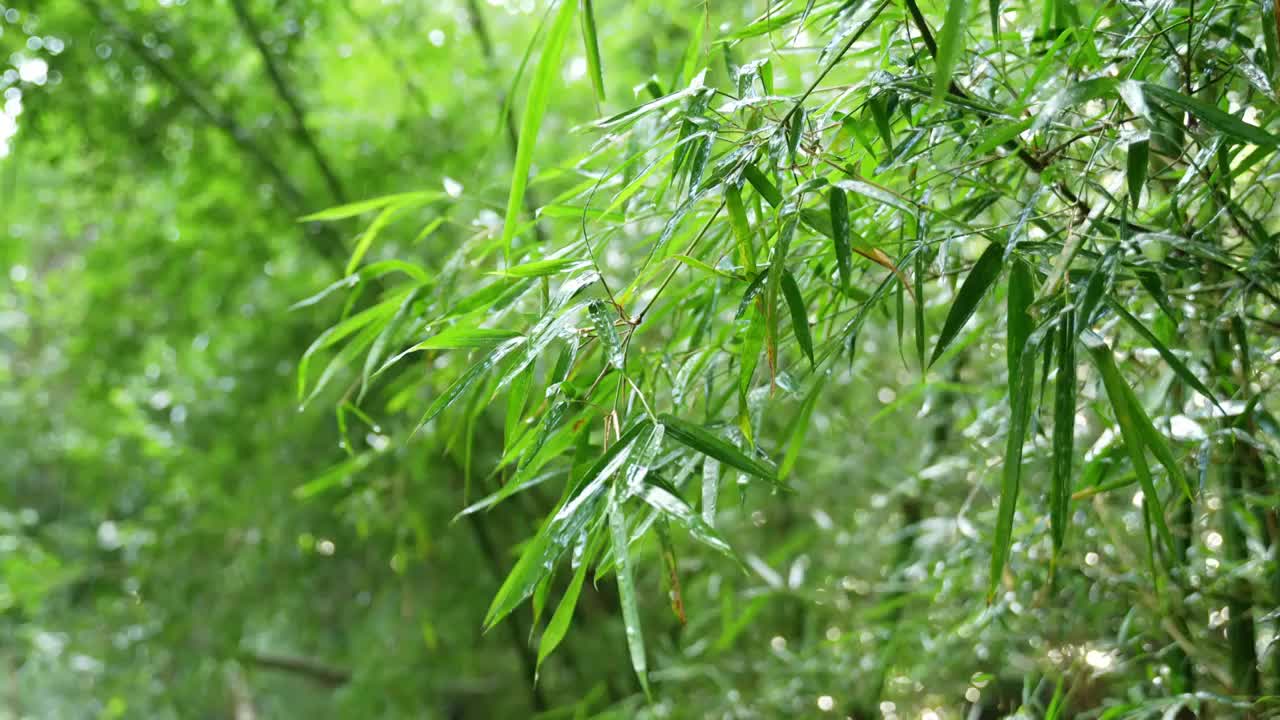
(1228, 124)
(950, 43)
(1119, 395)
(762, 185)
(627, 592)
(607, 333)
(799, 315)
(741, 227)
(704, 441)
(563, 616)
(591, 43)
(535, 107)
(1064, 424)
(980, 279)
(840, 235)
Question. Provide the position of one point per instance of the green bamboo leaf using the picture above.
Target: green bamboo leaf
(1137, 156)
(590, 41)
(544, 268)
(627, 590)
(950, 44)
(1064, 424)
(459, 386)
(365, 241)
(1225, 123)
(562, 528)
(1021, 294)
(1119, 394)
(466, 337)
(800, 428)
(741, 227)
(697, 438)
(918, 273)
(607, 333)
(879, 193)
(1020, 391)
(363, 206)
(1179, 368)
(1100, 282)
(1071, 96)
(672, 505)
(799, 315)
(535, 107)
(749, 355)
(840, 235)
(517, 398)
(979, 281)
(563, 616)
(380, 344)
(762, 185)
(773, 287)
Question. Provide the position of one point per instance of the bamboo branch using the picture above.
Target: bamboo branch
(326, 243)
(291, 101)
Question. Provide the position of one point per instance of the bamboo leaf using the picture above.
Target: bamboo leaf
(627, 590)
(1225, 123)
(741, 227)
(1020, 390)
(563, 616)
(562, 528)
(799, 315)
(762, 185)
(359, 208)
(1021, 294)
(459, 386)
(697, 438)
(535, 107)
(591, 43)
(607, 333)
(950, 43)
(1064, 423)
(840, 235)
(1137, 158)
(1175, 363)
(1118, 393)
(980, 279)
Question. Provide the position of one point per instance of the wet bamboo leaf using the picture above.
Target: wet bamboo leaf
(1021, 386)
(840, 235)
(702, 440)
(591, 43)
(1021, 294)
(459, 386)
(1064, 423)
(563, 616)
(535, 107)
(1175, 363)
(607, 333)
(627, 591)
(1229, 125)
(564, 527)
(675, 507)
(1118, 393)
(799, 315)
(741, 227)
(762, 185)
(950, 44)
(363, 206)
(980, 279)
(1137, 158)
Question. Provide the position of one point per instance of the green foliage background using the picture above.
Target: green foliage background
(791, 359)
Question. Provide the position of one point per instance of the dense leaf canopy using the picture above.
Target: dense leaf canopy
(590, 358)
